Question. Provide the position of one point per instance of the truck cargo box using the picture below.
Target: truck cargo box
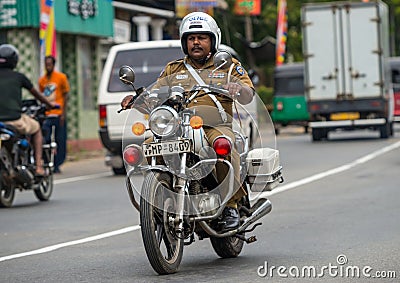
(347, 84)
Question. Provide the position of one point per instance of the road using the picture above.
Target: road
(335, 214)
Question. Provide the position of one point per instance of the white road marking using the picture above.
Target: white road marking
(333, 171)
(72, 243)
(283, 188)
(82, 178)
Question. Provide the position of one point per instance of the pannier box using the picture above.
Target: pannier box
(263, 170)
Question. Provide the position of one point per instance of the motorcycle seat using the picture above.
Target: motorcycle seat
(10, 128)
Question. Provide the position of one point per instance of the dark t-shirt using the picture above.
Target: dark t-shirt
(11, 84)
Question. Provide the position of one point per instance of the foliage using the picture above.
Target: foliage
(266, 94)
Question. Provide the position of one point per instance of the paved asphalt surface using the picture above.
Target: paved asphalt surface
(334, 219)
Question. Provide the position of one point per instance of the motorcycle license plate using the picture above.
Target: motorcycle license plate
(166, 148)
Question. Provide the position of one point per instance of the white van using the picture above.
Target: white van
(148, 60)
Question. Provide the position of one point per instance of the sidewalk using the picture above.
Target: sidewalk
(83, 163)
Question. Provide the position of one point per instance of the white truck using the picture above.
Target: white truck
(347, 83)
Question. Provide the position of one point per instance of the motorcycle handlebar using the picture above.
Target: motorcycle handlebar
(209, 88)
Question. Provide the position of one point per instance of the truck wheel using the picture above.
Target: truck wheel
(325, 134)
(385, 130)
(119, 170)
(316, 134)
(319, 134)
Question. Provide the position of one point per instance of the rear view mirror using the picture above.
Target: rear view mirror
(127, 75)
(222, 59)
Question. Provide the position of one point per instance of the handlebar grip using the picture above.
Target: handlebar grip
(219, 90)
(128, 106)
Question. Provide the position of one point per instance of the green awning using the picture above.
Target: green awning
(90, 17)
(21, 13)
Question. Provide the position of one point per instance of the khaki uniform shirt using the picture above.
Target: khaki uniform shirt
(176, 73)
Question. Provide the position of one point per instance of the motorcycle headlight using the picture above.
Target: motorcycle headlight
(164, 121)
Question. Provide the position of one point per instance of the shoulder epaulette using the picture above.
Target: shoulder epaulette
(178, 61)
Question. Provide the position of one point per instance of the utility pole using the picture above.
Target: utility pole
(249, 39)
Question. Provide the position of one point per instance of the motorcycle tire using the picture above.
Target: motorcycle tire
(227, 247)
(45, 189)
(163, 248)
(7, 194)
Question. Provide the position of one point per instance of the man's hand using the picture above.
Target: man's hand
(52, 105)
(234, 89)
(243, 93)
(125, 102)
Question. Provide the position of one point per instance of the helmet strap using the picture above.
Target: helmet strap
(202, 61)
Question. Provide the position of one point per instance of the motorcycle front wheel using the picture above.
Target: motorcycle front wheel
(163, 248)
(7, 193)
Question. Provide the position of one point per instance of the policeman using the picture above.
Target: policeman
(200, 39)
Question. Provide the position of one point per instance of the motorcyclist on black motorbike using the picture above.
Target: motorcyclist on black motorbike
(11, 84)
(200, 39)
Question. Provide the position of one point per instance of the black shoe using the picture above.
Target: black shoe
(230, 219)
(57, 171)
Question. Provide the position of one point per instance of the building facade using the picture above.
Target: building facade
(81, 25)
(85, 30)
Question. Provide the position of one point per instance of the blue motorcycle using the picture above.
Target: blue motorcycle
(17, 163)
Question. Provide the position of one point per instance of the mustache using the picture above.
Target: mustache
(197, 48)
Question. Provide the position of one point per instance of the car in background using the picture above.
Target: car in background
(289, 103)
(148, 60)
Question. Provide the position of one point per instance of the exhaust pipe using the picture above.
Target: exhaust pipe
(264, 207)
(24, 176)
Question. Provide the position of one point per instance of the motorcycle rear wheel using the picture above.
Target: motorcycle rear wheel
(227, 247)
(45, 189)
(163, 249)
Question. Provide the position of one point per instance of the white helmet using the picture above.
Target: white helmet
(199, 22)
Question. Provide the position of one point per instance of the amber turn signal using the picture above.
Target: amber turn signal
(196, 122)
(138, 129)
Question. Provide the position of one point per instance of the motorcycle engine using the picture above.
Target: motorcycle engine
(207, 203)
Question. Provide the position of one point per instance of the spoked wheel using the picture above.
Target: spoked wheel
(7, 193)
(45, 189)
(164, 248)
(227, 247)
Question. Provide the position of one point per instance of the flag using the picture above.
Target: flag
(281, 32)
(47, 31)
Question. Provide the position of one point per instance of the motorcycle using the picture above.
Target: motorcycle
(180, 196)
(17, 163)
